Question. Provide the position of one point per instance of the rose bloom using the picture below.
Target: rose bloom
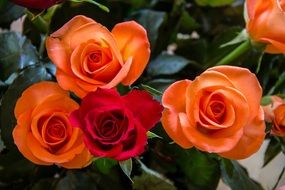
(43, 133)
(37, 4)
(217, 112)
(88, 55)
(278, 125)
(265, 23)
(115, 126)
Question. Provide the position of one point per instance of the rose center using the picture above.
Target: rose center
(217, 109)
(94, 61)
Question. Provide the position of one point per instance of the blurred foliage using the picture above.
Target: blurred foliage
(186, 38)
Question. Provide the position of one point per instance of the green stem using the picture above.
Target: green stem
(241, 49)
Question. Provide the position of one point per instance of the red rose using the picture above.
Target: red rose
(115, 126)
(37, 4)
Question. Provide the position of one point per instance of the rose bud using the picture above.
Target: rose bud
(265, 21)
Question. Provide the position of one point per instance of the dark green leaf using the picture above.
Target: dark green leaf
(9, 12)
(43, 184)
(272, 150)
(26, 78)
(127, 166)
(151, 21)
(150, 182)
(75, 180)
(16, 53)
(214, 3)
(202, 171)
(104, 165)
(167, 64)
(188, 23)
(236, 177)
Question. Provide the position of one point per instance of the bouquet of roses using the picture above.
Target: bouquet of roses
(137, 94)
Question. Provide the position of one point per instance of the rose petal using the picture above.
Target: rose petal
(245, 82)
(171, 124)
(252, 139)
(143, 107)
(20, 133)
(133, 43)
(37, 93)
(79, 161)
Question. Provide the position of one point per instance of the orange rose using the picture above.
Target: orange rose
(265, 23)
(88, 55)
(43, 133)
(217, 112)
(278, 127)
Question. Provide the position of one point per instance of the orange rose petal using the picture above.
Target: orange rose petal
(57, 44)
(245, 82)
(102, 36)
(36, 92)
(58, 53)
(122, 74)
(133, 43)
(20, 138)
(79, 161)
(43, 154)
(77, 67)
(74, 139)
(53, 103)
(170, 96)
(68, 83)
(254, 133)
(171, 125)
(208, 143)
(274, 46)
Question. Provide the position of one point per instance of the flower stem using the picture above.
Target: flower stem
(241, 49)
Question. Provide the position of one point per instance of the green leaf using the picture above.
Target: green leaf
(9, 12)
(147, 181)
(103, 7)
(188, 23)
(166, 64)
(202, 171)
(241, 37)
(16, 53)
(236, 176)
(151, 135)
(43, 184)
(75, 180)
(104, 165)
(151, 21)
(151, 90)
(26, 78)
(127, 166)
(151, 180)
(214, 3)
(272, 150)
